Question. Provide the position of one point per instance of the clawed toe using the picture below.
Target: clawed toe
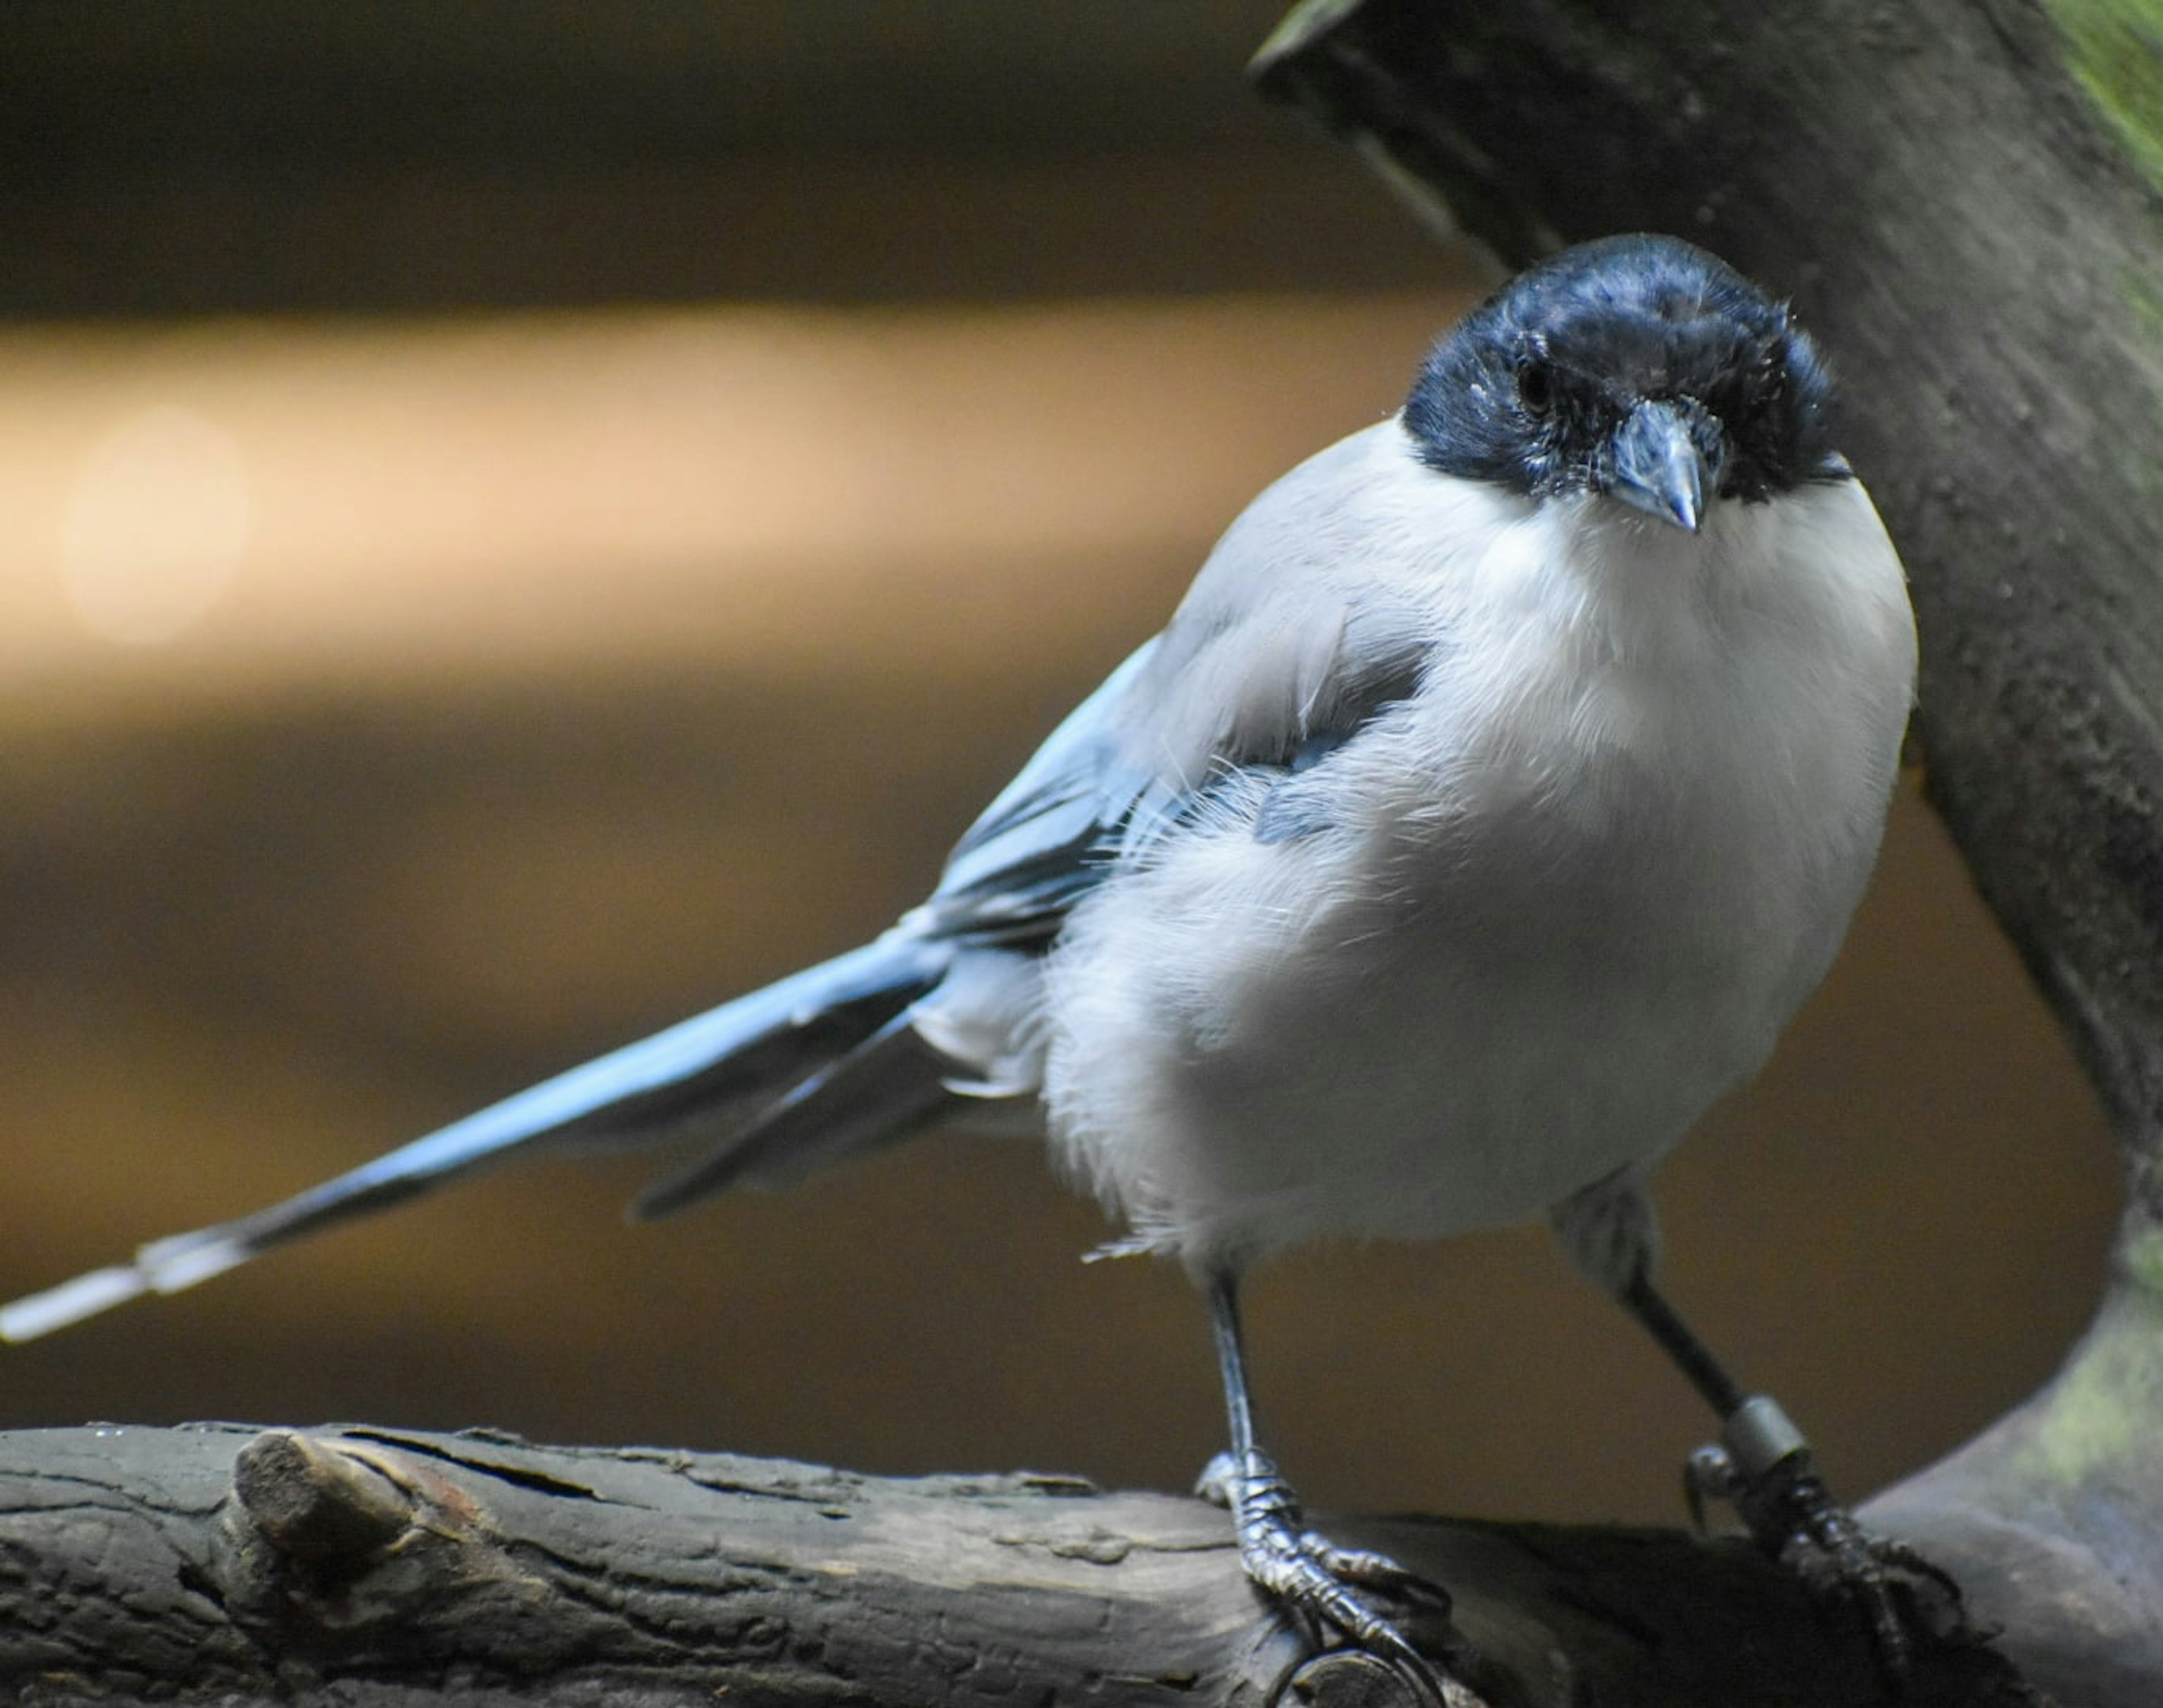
(1901, 1596)
(1370, 1570)
(1764, 1471)
(1325, 1588)
(1321, 1583)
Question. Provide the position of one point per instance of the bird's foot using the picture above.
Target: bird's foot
(1325, 1586)
(1763, 1469)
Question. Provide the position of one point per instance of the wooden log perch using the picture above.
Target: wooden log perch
(370, 1568)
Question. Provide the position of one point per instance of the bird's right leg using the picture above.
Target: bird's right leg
(1310, 1575)
(1763, 1467)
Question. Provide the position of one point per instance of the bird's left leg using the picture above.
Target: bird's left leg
(1311, 1576)
(1763, 1464)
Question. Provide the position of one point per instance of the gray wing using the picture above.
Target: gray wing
(1194, 710)
(1234, 689)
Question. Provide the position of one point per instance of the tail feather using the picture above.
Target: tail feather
(839, 1026)
(882, 1090)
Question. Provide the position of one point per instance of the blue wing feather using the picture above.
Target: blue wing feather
(1051, 834)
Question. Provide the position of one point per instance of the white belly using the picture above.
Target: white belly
(1563, 911)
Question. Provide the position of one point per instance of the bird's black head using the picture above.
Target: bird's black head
(1639, 367)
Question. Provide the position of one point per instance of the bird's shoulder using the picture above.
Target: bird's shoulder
(1318, 611)
(1325, 599)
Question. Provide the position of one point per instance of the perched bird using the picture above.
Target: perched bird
(1503, 784)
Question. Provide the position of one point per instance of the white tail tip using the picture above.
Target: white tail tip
(167, 1265)
(70, 1301)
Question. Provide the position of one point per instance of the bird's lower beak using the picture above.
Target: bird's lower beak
(1658, 468)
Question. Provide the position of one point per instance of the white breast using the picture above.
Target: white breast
(1573, 892)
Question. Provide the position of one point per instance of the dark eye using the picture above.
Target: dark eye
(1535, 388)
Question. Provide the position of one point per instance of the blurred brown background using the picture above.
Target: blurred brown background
(519, 521)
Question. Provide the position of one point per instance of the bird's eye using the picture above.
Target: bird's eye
(1535, 388)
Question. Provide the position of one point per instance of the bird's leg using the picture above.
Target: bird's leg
(1310, 1575)
(1763, 1467)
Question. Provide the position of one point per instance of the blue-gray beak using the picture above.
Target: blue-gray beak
(1658, 468)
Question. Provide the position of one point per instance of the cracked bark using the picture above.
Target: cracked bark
(381, 1568)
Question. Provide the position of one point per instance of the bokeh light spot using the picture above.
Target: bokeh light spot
(155, 525)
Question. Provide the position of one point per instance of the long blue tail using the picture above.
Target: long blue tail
(821, 1062)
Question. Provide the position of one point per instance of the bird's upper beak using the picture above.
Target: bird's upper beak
(1658, 466)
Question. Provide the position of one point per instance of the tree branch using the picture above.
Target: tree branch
(372, 1567)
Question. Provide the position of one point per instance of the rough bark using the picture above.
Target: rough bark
(370, 1568)
(1962, 197)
